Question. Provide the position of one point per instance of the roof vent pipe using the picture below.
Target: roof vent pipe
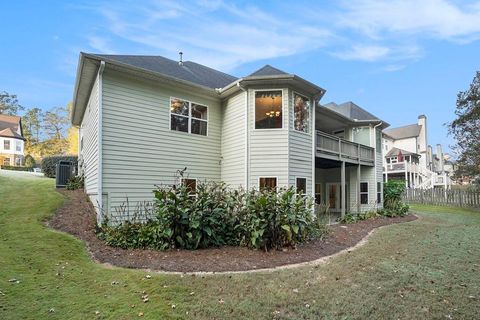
(180, 62)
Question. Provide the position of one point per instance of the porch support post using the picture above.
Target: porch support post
(343, 190)
(358, 188)
(406, 173)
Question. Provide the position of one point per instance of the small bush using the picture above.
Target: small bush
(217, 216)
(355, 217)
(49, 164)
(75, 183)
(16, 168)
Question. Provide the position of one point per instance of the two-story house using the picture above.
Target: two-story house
(11, 141)
(409, 157)
(143, 118)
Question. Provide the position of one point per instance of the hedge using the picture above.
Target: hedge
(49, 164)
(14, 168)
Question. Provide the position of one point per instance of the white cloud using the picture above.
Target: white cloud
(440, 19)
(363, 53)
(100, 44)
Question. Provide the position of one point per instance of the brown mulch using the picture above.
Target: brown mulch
(77, 217)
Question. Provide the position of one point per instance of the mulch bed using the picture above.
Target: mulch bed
(77, 217)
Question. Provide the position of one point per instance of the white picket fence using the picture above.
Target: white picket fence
(442, 197)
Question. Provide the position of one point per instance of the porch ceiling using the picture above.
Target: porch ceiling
(322, 163)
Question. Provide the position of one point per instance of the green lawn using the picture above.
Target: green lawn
(427, 269)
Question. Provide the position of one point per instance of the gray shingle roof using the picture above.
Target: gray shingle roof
(352, 111)
(395, 151)
(412, 130)
(267, 70)
(188, 71)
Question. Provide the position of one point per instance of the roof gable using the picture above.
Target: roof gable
(409, 131)
(396, 151)
(7, 121)
(267, 70)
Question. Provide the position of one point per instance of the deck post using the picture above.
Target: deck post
(343, 190)
(406, 173)
(358, 188)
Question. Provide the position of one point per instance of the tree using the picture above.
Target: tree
(32, 123)
(54, 122)
(9, 104)
(466, 129)
(72, 133)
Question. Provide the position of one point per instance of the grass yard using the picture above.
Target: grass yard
(426, 269)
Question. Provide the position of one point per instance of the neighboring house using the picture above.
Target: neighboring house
(143, 118)
(11, 141)
(409, 157)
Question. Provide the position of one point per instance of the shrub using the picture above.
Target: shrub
(392, 194)
(29, 161)
(16, 168)
(49, 164)
(355, 217)
(75, 183)
(216, 216)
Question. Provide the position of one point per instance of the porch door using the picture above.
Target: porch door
(334, 195)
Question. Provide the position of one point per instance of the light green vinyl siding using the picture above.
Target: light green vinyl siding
(89, 152)
(233, 141)
(139, 149)
(268, 148)
(300, 151)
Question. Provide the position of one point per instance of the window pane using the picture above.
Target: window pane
(6, 144)
(199, 111)
(199, 127)
(301, 185)
(191, 185)
(364, 198)
(179, 123)
(178, 106)
(301, 119)
(363, 187)
(268, 110)
(268, 183)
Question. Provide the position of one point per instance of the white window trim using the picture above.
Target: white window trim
(189, 117)
(296, 185)
(9, 145)
(267, 177)
(310, 113)
(283, 111)
(367, 193)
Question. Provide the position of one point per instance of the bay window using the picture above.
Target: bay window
(301, 113)
(268, 109)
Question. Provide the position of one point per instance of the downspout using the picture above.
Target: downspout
(100, 139)
(247, 154)
(375, 155)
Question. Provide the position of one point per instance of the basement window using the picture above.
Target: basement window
(188, 117)
(267, 183)
(301, 185)
(363, 192)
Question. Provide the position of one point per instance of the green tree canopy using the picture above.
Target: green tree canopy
(9, 104)
(466, 129)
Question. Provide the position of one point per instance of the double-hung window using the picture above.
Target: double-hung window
(318, 193)
(188, 117)
(379, 192)
(363, 192)
(18, 145)
(191, 185)
(6, 144)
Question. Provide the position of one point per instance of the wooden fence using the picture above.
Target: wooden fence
(442, 197)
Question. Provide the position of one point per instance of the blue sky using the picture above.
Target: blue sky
(397, 59)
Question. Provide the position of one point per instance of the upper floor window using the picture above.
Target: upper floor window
(6, 144)
(301, 110)
(18, 145)
(268, 109)
(188, 117)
